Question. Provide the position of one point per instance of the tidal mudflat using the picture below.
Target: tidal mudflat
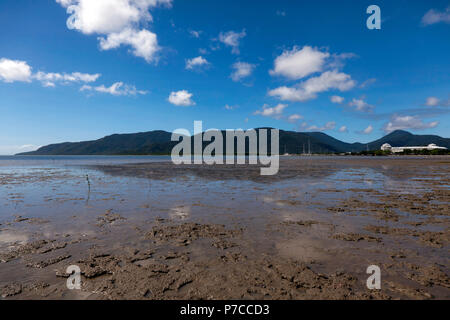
(154, 230)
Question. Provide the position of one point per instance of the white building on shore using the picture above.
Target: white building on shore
(388, 147)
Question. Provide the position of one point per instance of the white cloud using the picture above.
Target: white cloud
(436, 102)
(181, 98)
(108, 16)
(299, 63)
(196, 62)
(116, 89)
(309, 89)
(281, 13)
(49, 79)
(328, 80)
(368, 130)
(27, 146)
(228, 107)
(294, 117)
(14, 70)
(407, 122)
(343, 129)
(336, 99)
(432, 102)
(65, 3)
(274, 112)
(195, 34)
(288, 94)
(337, 61)
(143, 42)
(232, 39)
(241, 70)
(368, 82)
(11, 150)
(84, 77)
(328, 126)
(361, 105)
(433, 16)
(119, 20)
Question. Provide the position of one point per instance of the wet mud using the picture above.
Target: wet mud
(160, 231)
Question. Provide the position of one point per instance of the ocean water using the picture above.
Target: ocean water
(86, 160)
(64, 161)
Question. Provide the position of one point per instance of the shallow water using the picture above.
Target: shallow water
(59, 187)
(58, 161)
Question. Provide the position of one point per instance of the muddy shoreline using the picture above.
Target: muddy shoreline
(159, 231)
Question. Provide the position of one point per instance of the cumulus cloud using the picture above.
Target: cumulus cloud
(116, 89)
(241, 70)
(294, 117)
(14, 70)
(228, 107)
(328, 126)
(108, 16)
(343, 129)
(196, 62)
(337, 99)
(298, 63)
(232, 39)
(143, 42)
(195, 34)
(398, 122)
(368, 130)
(65, 3)
(433, 16)
(337, 61)
(273, 112)
(432, 102)
(436, 102)
(50, 79)
(360, 105)
(181, 98)
(118, 20)
(309, 89)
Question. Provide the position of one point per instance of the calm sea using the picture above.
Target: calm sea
(62, 161)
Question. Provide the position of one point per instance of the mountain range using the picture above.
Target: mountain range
(159, 143)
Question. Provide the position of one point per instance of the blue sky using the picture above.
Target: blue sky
(73, 70)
